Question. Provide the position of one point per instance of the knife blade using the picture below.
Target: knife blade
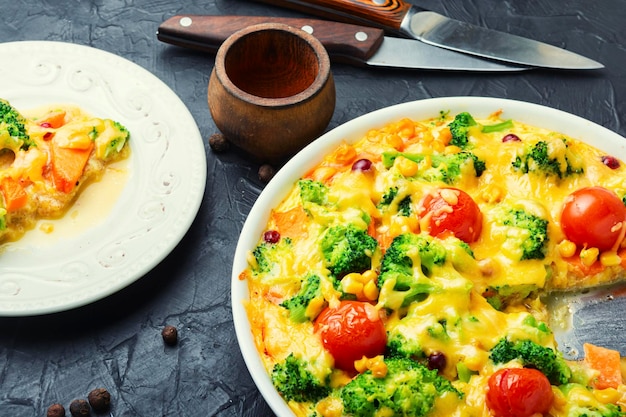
(344, 42)
(433, 28)
(588, 317)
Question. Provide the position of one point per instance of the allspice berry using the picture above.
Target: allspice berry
(80, 408)
(170, 335)
(219, 143)
(56, 410)
(99, 399)
(266, 173)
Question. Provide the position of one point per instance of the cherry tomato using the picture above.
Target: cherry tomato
(519, 392)
(593, 217)
(454, 211)
(350, 331)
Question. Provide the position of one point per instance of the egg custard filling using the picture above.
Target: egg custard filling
(47, 158)
(403, 274)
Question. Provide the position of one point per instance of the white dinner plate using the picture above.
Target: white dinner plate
(161, 195)
(277, 189)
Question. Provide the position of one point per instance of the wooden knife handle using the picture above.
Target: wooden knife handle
(206, 33)
(386, 14)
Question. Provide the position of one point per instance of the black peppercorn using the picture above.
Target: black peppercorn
(170, 335)
(80, 408)
(55, 410)
(219, 143)
(99, 399)
(266, 173)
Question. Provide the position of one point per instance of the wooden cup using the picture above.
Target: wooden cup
(271, 91)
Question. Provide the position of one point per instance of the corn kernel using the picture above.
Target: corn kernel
(369, 275)
(401, 224)
(610, 259)
(452, 149)
(330, 407)
(361, 364)
(406, 167)
(370, 291)
(566, 248)
(607, 396)
(376, 365)
(589, 255)
(315, 307)
(351, 284)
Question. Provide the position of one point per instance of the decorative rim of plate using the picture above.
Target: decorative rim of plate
(278, 187)
(160, 200)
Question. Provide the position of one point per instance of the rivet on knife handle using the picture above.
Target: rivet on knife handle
(386, 14)
(205, 32)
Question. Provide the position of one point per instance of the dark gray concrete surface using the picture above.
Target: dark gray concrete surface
(116, 342)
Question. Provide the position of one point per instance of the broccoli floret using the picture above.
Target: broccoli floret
(408, 389)
(533, 355)
(501, 296)
(295, 382)
(446, 168)
(298, 305)
(602, 410)
(116, 144)
(459, 128)
(408, 262)
(539, 160)
(400, 255)
(586, 404)
(266, 255)
(399, 346)
(13, 133)
(533, 233)
(313, 191)
(404, 205)
(347, 249)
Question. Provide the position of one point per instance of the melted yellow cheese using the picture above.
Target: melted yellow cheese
(481, 294)
(39, 173)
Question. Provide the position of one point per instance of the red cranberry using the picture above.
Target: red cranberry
(271, 236)
(437, 360)
(610, 161)
(511, 138)
(363, 165)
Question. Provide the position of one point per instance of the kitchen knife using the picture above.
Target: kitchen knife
(345, 42)
(415, 22)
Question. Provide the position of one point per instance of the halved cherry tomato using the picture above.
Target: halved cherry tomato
(519, 392)
(593, 217)
(350, 331)
(451, 210)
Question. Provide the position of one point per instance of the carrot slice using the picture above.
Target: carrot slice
(606, 362)
(54, 119)
(15, 196)
(68, 166)
(584, 270)
(290, 223)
